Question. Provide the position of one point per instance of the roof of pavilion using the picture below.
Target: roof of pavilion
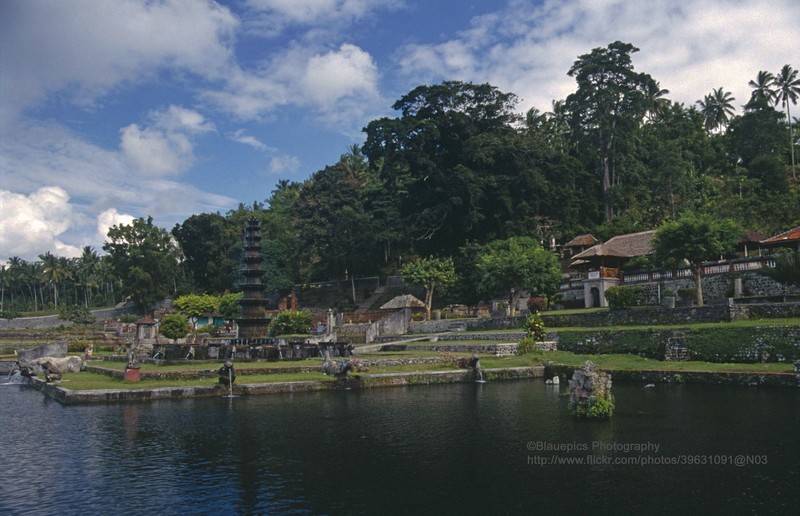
(791, 235)
(622, 246)
(582, 241)
(403, 301)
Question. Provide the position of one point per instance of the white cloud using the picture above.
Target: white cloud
(32, 224)
(246, 139)
(527, 47)
(348, 72)
(165, 148)
(85, 48)
(340, 86)
(108, 218)
(274, 16)
(283, 164)
(86, 186)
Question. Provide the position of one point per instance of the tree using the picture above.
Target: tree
(229, 307)
(195, 305)
(430, 273)
(515, 265)
(788, 90)
(717, 108)
(763, 88)
(440, 160)
(608, 107)
(334, 228)
(695, 238)
(288, 322)
(174, 326)
(205, 241)
(145, 258)
(53, 272)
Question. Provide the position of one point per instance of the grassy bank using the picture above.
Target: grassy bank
(626, 362)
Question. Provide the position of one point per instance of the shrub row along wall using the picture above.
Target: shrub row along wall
(753, 344)
(684, 315)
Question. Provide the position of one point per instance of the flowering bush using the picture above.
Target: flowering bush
(537, 304)
(535, 326)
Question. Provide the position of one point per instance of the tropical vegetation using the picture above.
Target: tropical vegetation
(457, 172)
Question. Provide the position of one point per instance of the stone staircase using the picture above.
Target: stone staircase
(365, 305)
(675, 350)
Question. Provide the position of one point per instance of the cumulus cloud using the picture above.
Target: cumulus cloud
(272, 17)
(109, 218)
(87, 190)
(527, 47)
(164, 148)
(31, 224)
(347, 72)
(49, 46)
(339, 85)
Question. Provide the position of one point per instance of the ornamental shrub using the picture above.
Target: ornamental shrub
(535, 326)
(174, 326)
(77, 314)
(537, 304)
(622, 298)
(289, 322)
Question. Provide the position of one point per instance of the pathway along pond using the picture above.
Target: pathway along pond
(442, 449)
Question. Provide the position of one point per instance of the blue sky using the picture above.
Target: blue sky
(115, 110)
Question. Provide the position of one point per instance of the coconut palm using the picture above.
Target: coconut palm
(763, 91)
(717, 108)
(788, 90)
(53, 272)
(657, 103)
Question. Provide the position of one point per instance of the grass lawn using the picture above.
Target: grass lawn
(637, 363)
(92, 381)
(212, 366)
(746, 323)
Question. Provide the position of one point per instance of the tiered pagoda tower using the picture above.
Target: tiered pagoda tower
(253, 323)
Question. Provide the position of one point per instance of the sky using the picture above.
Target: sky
(111, 111)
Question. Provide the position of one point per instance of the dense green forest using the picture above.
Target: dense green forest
(459, 167)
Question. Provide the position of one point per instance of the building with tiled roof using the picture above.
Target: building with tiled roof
(789, 238)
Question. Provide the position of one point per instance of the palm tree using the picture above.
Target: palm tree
(87, 272)
(53, 272)
(33, 276)
(657, 103)
(717, 108)
(763, 91)
(15, 275)
(788, 90)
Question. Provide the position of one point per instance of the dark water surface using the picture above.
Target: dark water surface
(447, 449)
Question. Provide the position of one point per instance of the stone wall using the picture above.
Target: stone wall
(52, 321)
(717, 288)
(681, 315)
(473, 324)
(724, 344)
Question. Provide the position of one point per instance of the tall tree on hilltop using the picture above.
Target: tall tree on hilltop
(607, 108)
(788, 90)
(439, 160)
